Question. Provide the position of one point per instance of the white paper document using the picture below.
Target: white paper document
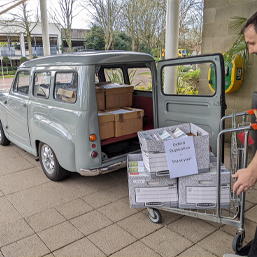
(181, 158)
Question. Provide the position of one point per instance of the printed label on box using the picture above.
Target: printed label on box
(156, 194)
(207, 195)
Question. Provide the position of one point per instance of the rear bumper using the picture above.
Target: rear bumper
(103, 170)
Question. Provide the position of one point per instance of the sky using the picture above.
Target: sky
(81, 21)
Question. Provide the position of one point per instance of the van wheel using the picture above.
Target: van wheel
(50, 164)
(3, 139)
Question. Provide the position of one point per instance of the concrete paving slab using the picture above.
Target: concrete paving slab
(29, 246)
(14, 231)
(111, 239)
(136, 249)
(196, 251)
(139, 225)
(60, 235)
(191, 228)
(74, 208)
(82, 186)
(166, 242)
(251, 196)
(120, 174)
(21, 180)
(8, 152)
(91, 222)
(45, 219)
(117, 211)
(8, 213)
(249, 226)
(41, 197)
(82, 247)
(251, 214)
(109, 195)
(13, 165)
(100, 198)
(218, 243)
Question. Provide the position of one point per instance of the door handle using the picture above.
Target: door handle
(5, 102)
(24, 105)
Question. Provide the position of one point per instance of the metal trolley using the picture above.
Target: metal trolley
(234, 215)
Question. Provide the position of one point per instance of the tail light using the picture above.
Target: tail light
(94, 154)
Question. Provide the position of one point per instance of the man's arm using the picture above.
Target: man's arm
(246, 178)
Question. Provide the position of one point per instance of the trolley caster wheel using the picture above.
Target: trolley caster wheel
(237, 242)
(157, 216)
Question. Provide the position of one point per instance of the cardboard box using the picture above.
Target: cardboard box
(127, 120)
(117, 96)
(147, 192)
(106, 125)
(151, 144)
(100, 98)
(67, 94)
(200, 191)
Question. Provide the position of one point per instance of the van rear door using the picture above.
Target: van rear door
(188, 95)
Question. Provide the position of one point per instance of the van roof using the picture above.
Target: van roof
(88, 58)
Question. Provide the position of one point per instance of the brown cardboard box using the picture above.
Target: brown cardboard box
(100, 98)
(106, 125)
(67, 94)
(117, 96)
(127, 120)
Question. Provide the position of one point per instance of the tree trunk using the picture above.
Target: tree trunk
(30, 47)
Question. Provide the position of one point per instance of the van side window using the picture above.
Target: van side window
(41, 86)
(65, 86)
(21, 84)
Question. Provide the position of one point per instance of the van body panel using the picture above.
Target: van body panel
(67, 125)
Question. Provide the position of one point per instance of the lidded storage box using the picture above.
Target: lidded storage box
(106, 125)
(116, 95)
(147, 192)
(200, 191)
(127, 120)
(100, 98)
(153, 149)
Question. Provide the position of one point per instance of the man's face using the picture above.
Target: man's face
(251, 39)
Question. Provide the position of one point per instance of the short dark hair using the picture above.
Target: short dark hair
(251, 21)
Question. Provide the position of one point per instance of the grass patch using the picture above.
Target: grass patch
(7, 76)
(144, 73)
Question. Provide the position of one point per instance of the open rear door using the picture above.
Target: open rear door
(191, 89)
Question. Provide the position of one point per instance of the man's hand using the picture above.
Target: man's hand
(246, 179)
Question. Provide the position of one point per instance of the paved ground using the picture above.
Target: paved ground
(90, 216)
(5, 83)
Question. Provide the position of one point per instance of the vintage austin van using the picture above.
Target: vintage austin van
(64, 132)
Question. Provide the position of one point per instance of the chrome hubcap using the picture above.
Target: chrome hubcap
(48, 159)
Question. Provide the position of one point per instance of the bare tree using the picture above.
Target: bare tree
(63, 18)
(22, 21)
(190, 24)
(105, 14)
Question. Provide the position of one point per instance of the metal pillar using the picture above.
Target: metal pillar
(44, 24)
(171, 45)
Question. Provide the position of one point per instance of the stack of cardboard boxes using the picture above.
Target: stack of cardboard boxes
(149, 177)
(116, 117)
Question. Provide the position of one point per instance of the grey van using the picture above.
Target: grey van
(35, 116)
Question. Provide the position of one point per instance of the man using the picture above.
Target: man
(247, 178)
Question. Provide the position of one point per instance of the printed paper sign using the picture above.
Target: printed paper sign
(180, 154)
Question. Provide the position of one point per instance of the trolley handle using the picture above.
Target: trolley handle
(254, 126)
(248, 112)
(252, 111)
